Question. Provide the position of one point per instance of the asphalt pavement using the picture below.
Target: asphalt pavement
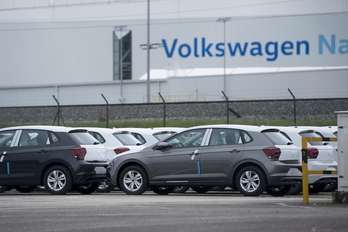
(210, 212)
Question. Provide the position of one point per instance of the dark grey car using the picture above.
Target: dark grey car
(245, 157)
(59, 158)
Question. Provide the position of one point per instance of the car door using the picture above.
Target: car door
(6, 140)
(27, 157)
(179, 162)
(223, 150)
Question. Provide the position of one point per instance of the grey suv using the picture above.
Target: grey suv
(245, 157)
(60, 158)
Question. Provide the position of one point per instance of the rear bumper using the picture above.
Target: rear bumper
(91, 173)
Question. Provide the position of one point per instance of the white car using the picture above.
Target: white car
(115, 143)
(150, 136)
(321, 156)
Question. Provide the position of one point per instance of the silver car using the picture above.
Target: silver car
(245, 157)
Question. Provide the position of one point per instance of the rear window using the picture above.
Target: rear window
(311, 133)
(126, 138)
(83, 138)
(276, 138)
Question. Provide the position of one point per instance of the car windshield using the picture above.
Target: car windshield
(6, 138)
(163, 135)
(126, 138)
(277, 138)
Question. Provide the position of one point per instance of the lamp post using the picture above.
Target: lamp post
(224, 20)
(148, 53)
(148, 47)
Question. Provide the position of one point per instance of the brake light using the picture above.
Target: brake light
(272, 152)
(120, 150)
(78, 152)
(312, 153)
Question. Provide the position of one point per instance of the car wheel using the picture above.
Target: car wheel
(87, 188)
(201, 189)
(330, 187)
(133, 180)
(250, 181)
(163, 190)
(57, 180)
(295, 189)
(181, 189)
(278, 191)
(25, 188)
(105, 187)
(4, 188)
(316, 188)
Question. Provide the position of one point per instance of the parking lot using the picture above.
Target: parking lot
(214, 211)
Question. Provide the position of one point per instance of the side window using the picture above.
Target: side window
(33, 138)
(224, 136)
(98, 136)
(246, 137)
(6, 138)
(139, 137)
(192, 138)
(53, 137)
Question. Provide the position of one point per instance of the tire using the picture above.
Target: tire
(25, 188)
(250, 181)
(163, 190)
(57, 180)
(202, 189)
(330, 187)
(316, 188)
(295, 189)
(4, 188)
(87, 188)
(133, 180)
(181, 189)
(105, 187)
(278, 191)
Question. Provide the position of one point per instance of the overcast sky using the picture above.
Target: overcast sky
(71, 10)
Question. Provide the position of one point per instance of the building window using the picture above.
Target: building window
(122, 40)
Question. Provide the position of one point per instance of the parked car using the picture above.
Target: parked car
(321, 157)
(115, 143)
(150, 136)
(245, 157)
(59, 158)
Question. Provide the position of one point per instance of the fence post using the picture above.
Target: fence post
(293, 96)
(227, 111)
(107, 111)
(58, 114)
(164, 109)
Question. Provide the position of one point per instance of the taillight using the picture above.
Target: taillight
(312, 153)
(78, 152)
(120, 150)
(272, 152)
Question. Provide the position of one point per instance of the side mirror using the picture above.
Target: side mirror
(162, 145)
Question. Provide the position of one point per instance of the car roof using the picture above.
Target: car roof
(97, 129)
(235, 126)
(41, 127)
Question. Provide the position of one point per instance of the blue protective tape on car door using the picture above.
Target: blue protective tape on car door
(8, 168)
(199, 167)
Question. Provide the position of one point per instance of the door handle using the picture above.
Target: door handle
(235, 151)
(42, 151)
(193, 154)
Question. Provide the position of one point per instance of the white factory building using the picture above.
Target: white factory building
(195, 50)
